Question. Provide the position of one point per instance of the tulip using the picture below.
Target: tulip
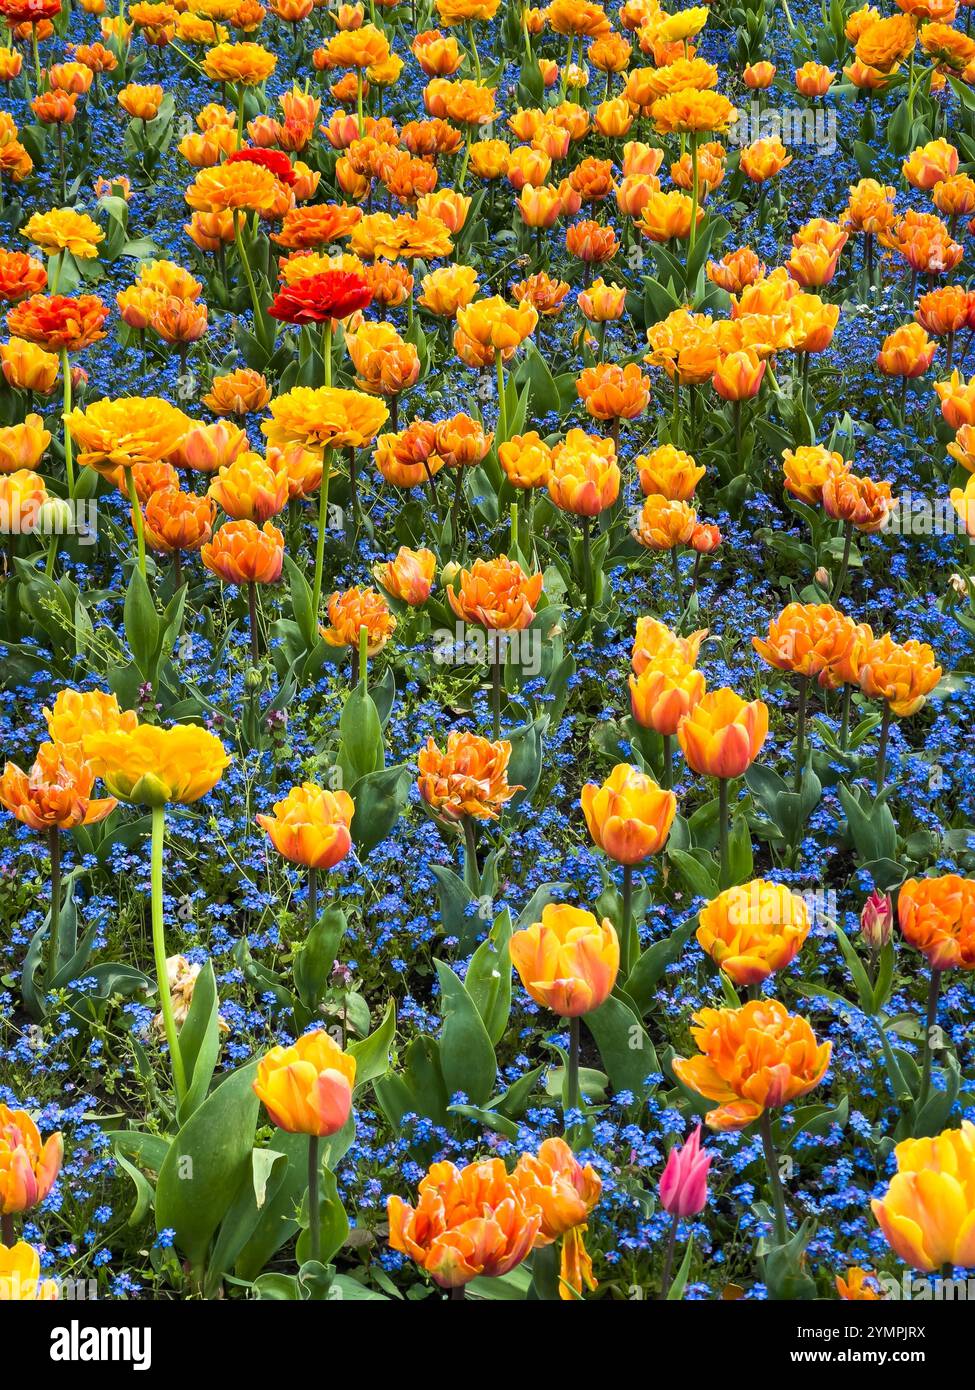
(568, 962)
(408, 577)
(859, 1285)
(28, 1167)
(877, 920)
(683, 1190)
(751, 1060)
(468, 1222)
(20, 1275)
(565, 1192)
(927, 1214)
(151, 766)
(311, 827)
(307, 1089)
(752, 930)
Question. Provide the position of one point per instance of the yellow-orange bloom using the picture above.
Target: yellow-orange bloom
(20, 1273)
(176, 521)
(723, 734)
(629, 816)
(28, 367)
(901, 673)
(28, 1167)
(252, 488)
(526, 460)
(937, 916)
(813, 79)
(76, 714)
(134, 429)
(668, 215)
(738, 375)
(470, 778)
(310, 826)
(56, 793)
(246, 63)
(752, 1059)
(149, 765)
(64, 229)
(663, 523)
(495, 323)
(809, 639)
(324, 416)
(23, 445)
(865, 504)
(856, 1285)
(554, 1181)
(468, 1222)
(238, 393)
(930, 164)
(242, 552)
(666, 689)
(496, 594)
(408, 577)
(927, 1214)
(870, 208)
(448, 289)
(654, 641)
(353, 610)
(568, 962)
(765, 158)
(753, 929)
(669, 472)
(807, 468)
(584, 478)
(907, 352)
(612, 392)
(307, 1088)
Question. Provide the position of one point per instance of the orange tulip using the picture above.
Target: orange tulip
(28, 1167)
(664, 691)
(584, 478)
(937, 917)
(470, 778)
(664, 524)
(468, 1222)
(567, 962)
(738, 376)
(902, 674)
(723, 734)
(629, 817)
(753, 930)
(408, 577)
(565, 1192)
(56, 793)
(752, 1059)
(243, 553)
(311, 826)
(496, 594)
(307, 1088)
(808, 639)
(350, 612)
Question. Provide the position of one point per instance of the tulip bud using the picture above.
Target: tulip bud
(683, 1184)
(253, 680)
(449, 572)
(822, 577)
(877, 920)
(959, 583)
(55, 516)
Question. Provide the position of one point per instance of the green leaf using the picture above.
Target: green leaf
(624, 1046)
(205, 1164)
(488, 978)
(199, 1041)
(372, 1053)
(361, 737)
(649, 968)
(316, 957)
(333, 1222)
(676, 1291)
(379, 799)
(141, 624)
(466, 1052)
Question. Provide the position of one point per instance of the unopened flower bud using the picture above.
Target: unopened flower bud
(822, 576)
(877, 920)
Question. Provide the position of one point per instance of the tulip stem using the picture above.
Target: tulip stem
(140, 535)
(252, 620)
(665, 1278)
(159, 952)
(572, 1102)
(882, 748)
(320, 539)
(668, 769)
(587, 564)
(934, 988)
(472, 875)
(775, 1180)
(502, 407)
(801, 731)
(496, 692)
(68, 456)
(631, 939)
(54, 848)
(692, 231)
(725, 868)
(327, 351)
(312, 897)
(845, 716)
(314, 1201)
(844, 563)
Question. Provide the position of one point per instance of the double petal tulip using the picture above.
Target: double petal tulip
(810, 640)
(56, 793)
(468, 1222)
(409, 576)
(28, 1167)
(568, 962)
(565, 1192)
(629, 816)
(937, 916)
(307, 1088)
(496, 594)
(927, 1214)
(903, 674)
(469, 778)
(310, 826)
(150, 766)
(754, 929)
(241, 552)
(76, 714)
(751, 1059)
(350, 612)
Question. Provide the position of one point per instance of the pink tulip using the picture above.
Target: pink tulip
(684, 1181)
(877, 920)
